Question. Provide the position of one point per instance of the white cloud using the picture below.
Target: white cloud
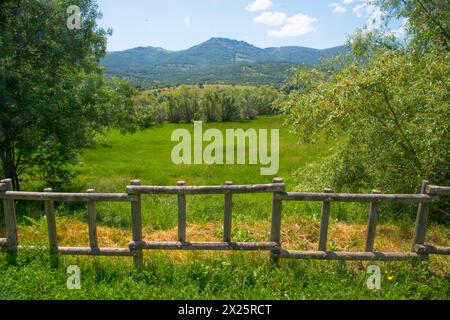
(187, 21)
(297, 25)
(271, 18)
(339, 9)
(348, 1)
(259, 5)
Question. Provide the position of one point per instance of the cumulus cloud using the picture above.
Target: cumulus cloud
(187, 21)
(258, 5)
(337, 8)
(348, 1)
(297, 25)
(272, 19)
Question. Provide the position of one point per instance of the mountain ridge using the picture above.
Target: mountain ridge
(219, 60)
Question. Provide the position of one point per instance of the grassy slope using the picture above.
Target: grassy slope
(146, 155)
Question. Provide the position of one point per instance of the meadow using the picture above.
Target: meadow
(115, 159)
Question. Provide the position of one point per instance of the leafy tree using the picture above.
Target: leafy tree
(54, 98)
(389, 99)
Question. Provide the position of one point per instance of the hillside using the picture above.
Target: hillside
(217, 60)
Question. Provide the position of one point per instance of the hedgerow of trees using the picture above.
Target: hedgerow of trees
(209, 103)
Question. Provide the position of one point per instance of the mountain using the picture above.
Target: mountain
(218, 60)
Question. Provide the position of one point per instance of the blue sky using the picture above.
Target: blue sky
(180, 24)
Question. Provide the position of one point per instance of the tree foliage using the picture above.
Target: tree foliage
(389, 99)
(210, 103)
(53, 94)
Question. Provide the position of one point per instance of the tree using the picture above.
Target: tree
(390, 102)
(53, 94)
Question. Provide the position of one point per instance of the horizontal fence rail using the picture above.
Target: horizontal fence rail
(257, 188)
(66, 197)
(336, 197)
(420, 251)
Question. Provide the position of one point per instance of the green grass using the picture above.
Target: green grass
(114, 160)
(237, 276)
(112, 163)
(146, 155)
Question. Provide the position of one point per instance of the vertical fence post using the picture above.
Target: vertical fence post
(51, 226)
(136, 222)
(181, 214)
(275, 233)
(11, 224)
(372, 224)
(228, 217)
(92, 223)
(421, 220)
(323, 238)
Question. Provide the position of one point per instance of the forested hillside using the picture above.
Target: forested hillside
(218, 60)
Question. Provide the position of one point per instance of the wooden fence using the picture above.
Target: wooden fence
(134, 192)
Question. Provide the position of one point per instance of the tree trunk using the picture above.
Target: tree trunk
(10, 167)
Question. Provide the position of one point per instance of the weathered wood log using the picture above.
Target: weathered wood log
(438, 190)
(51, 223)
(372, 224)
(227, 214)
(325, 221)
(92, 222)
(181, 214)
(136, 226)
(275, 231)
(3, 187)
(427, 249)
(51, 227)
(111, 252)
(85, 251)
(66, 197)
(350, 256)
(396, 198)
(262, 188)
(205, 246)
(421, 220)
(10, 223)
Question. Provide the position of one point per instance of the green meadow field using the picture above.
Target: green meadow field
(115, 159)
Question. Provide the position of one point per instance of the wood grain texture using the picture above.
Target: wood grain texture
(261, 188)
(66, 197)
(92, 222)
(324, 224)
(372, 224)
(136, 226)
(10, 215)
(349, 256)
(206, 246)
(51, 223)
(438, 190)
(228, 214)
(275, 230)
(427, 249)
(336, 197)
(421, 220)
(181, 214)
